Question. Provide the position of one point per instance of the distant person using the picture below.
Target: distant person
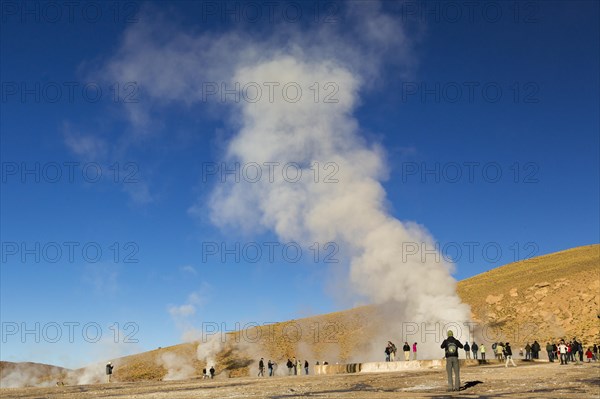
(299, 367)
(270, 367)
(306, 367)
(290, 366)
(467, 350)
(204, 374)
(212, 372)
(527, 351)
(482, 349)
(535, 350)
(595, 352)
(575, 350)
(392, 351)
(295, 365)
(589, 355)
(109, 371)
(549, 351)
(500, 351)
(580, 351)
(569, 352)
(451, 346)
(508, 355)
(474, 349)
(261, 367)
(563, 351)
(415, 351)
(406, 349)
(387, 353)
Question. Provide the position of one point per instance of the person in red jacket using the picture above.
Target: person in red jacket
(589, 354)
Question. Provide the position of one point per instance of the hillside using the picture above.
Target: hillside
(332, 336)
(30, 374)
(548, 297)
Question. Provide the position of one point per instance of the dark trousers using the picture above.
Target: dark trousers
(563, 358)
(550, 356)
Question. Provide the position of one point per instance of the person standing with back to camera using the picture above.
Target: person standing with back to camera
(451, 346)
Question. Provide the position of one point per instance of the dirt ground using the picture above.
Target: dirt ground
(540, 380)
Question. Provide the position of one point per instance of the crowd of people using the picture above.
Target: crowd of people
(294, 366)
(566, 352)
(390, 351)
(571, 351)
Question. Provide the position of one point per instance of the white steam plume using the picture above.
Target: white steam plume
(18, 375)
(351, 212)
(90, 374)
(208, 350)
(178, 367)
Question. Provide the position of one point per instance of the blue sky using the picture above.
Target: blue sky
(501, 109)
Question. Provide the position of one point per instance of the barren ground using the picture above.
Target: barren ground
(539, 380)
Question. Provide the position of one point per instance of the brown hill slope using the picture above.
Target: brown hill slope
(551, 296)
(547, 297)
(30, 374)
(543, 298)
(333, 336)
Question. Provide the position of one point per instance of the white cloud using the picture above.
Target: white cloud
(103, 277)
(92, 148)
(183, 310)
(195, 300)
(139, 192)
(189, 269)
(85, 146)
